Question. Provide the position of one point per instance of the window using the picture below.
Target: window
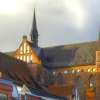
(0, 74)
(28, 50)
(65, 72)
(60, 79)
(78, 70)
(73, 71)
(91, 81)
(89, 70)
(21, 50)
(54, 73)
(31, 57)
(21, 58)
(17, 57)
(3, 97)
(28, 58)
(24, 58)
(24, 47)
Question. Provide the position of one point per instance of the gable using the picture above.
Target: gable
(26, 53)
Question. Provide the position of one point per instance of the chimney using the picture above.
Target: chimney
(25, 38)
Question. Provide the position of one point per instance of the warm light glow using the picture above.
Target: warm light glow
(21, 58)
(73, 71)
(78, 70)
(28, 58)
(24, 58)
(17, 57)
(31, 57)
(89, 70)
(65, 72)
(28, 49)
(94, 70)
(8, 6)
(0, 74)
(21, 50)
(24, 47)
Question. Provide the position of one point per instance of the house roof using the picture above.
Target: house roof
(17, 71)
(71, 55)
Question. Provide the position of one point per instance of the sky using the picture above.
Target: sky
(59, 22)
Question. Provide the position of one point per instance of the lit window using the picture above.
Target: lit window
(24, 47)
(0, 74)
(73, 71)
(24, 58)
(89, 70)
(21, 50)
(91, 85)
(28, 50)
(65, 72)
(21, 58)
(28, 58)
(54, 73)
(19, 89)
(94, 70)
(78, 70)
(17, 57)
(31, 57)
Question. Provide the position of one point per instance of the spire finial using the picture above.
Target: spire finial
(34, 32)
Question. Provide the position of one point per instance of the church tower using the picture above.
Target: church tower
(98, 51)
(34, 32)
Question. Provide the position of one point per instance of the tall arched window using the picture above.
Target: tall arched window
(91, 81)
(60, 79)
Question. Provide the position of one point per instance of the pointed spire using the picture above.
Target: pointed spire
(34, 31)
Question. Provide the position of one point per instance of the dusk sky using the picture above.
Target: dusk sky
(59, 22)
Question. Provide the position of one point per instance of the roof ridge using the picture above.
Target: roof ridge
(72, 44)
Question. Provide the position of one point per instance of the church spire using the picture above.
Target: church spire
(34, 31)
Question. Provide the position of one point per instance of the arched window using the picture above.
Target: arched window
(60, 79)
(91, 81)
(78, 90)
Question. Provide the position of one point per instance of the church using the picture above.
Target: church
(63, 69)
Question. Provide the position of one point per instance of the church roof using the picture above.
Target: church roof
(67, 55)
(71, 55)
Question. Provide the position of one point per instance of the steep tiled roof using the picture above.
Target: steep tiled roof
(17, 71)
(71, 55)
